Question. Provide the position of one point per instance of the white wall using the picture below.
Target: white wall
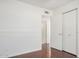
(57, 24)
(20, 28)
(56, 30)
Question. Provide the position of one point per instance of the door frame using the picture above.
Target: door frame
(76, 28)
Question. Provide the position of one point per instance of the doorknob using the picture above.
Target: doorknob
(69, 34)
(60, 33)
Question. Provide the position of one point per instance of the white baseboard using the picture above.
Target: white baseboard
(78, 56)
(24, 52)
(57, 48)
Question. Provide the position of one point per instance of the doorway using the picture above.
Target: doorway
(46, 36)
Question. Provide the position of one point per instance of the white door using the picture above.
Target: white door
(69, 31)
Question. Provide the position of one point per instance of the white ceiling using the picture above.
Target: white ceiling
(49, 4)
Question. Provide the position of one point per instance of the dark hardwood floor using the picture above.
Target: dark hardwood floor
(44, 53)
(61, 54)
